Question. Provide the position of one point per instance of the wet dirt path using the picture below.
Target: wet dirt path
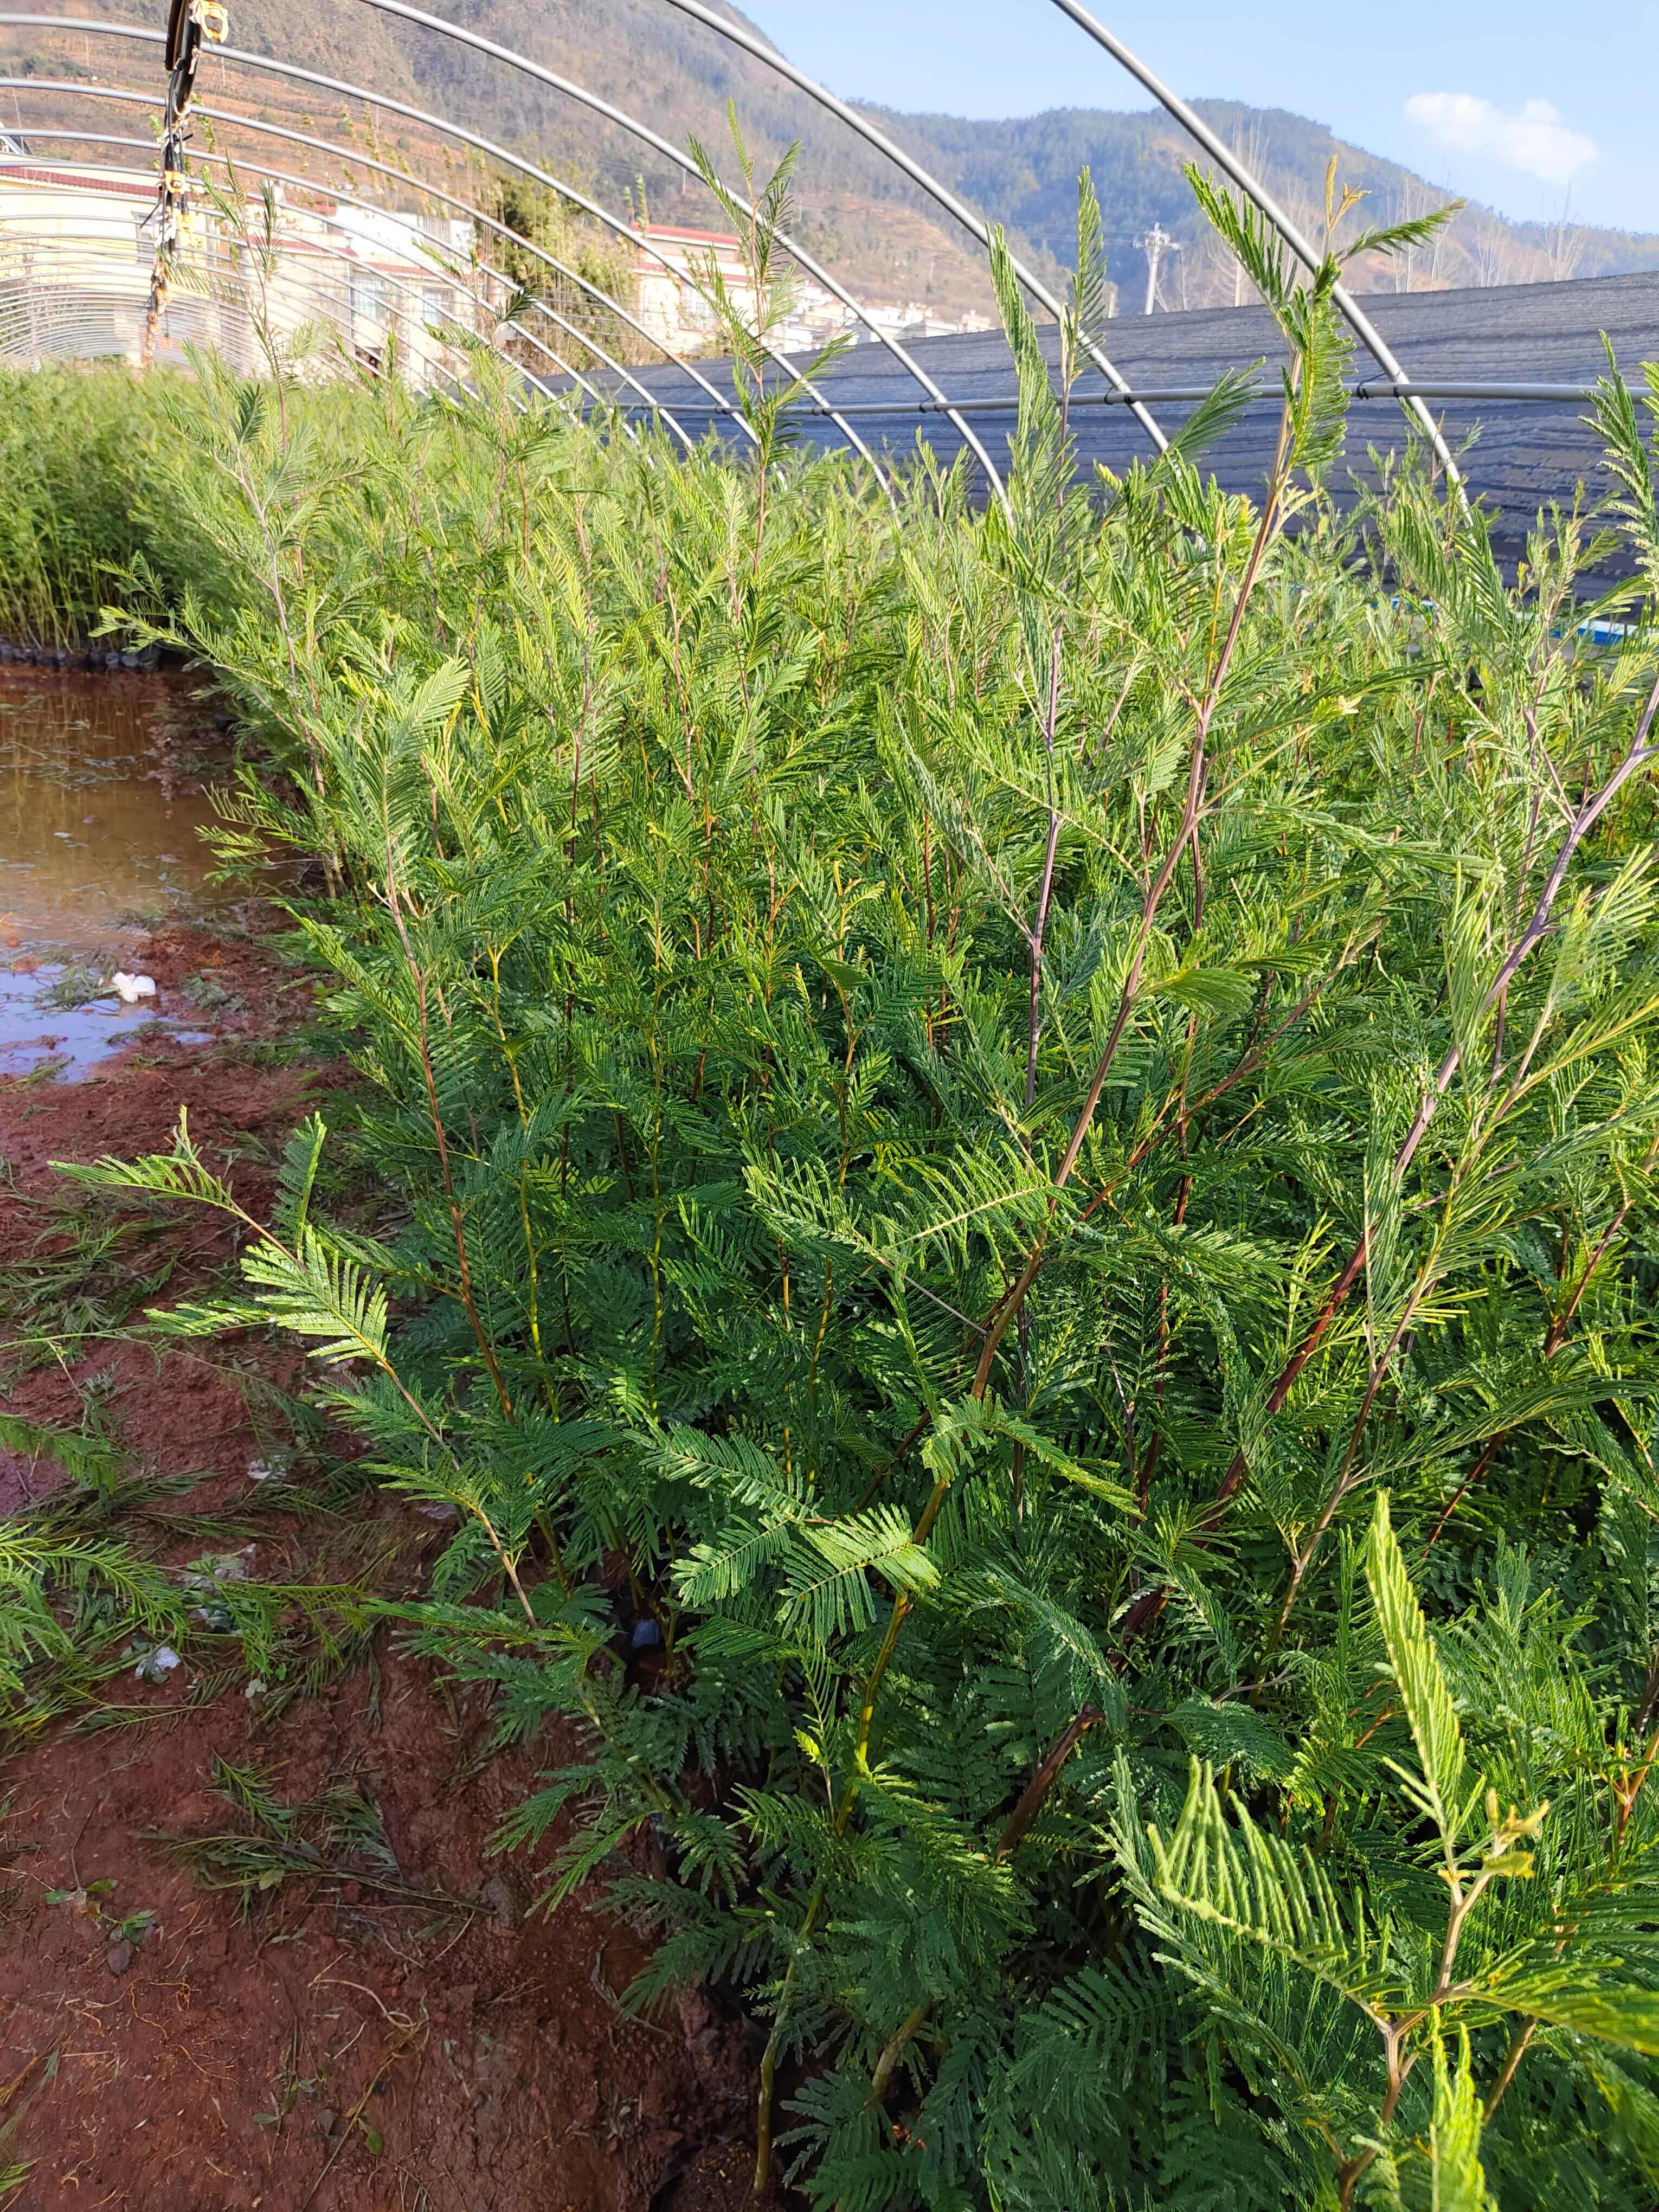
(104, 791)
(324, 2044)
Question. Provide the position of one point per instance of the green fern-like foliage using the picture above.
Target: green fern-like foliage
(1018, 1149)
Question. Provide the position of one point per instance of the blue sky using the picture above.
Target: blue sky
(1524, 105)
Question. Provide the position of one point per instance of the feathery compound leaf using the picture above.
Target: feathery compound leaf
(317, 1291)
(1459, 2185)
(737, 1466)
(1586, 2004)
(92, 1460)
(1248, 237)
(1090, 303)
(1636, 2109)
(300, 1158)
(827, 1592)
(1220, 411)
(1629, 462)
(1415, 1665)
(1244, 1878)
(751, 872)
(179, 1174)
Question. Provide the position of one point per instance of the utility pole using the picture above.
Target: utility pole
(1155, 245)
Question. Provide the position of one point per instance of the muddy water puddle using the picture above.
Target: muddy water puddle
(101, 799)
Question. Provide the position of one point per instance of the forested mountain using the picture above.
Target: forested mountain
(878, 231)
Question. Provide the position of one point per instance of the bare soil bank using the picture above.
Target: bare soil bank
(400, 2029)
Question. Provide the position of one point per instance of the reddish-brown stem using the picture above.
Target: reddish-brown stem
(1554, 1337)
(1019, 1820)
(1150, 1602)
(1238, 1466)
(895, 2050)
(435, 1112)
(1187, 828)
(1469, 1482)
(887, 1466)
(1036, 1790)
(1303, 1559)
(1517, 2052)
(1625, 1798)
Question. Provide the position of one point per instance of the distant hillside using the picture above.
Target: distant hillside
(1025, 173)
(883, 237)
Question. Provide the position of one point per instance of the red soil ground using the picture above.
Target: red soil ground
(336, 2050)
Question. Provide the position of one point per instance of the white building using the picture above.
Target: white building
(672, 271)
(672, 268)
(77, 253)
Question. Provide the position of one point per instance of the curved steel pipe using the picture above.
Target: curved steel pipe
(355, 160)
(606, 400)
(487, 223)
(414, 114)
(484, 146)
(345, 322)
(308, 246)
(42, 295)
(1198, 129)
(341, 323)
(620, 230)
(32, 330)
(309, 184)
(738, 36)
(670, 152)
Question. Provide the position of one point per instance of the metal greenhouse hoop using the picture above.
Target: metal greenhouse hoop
(322, 145)
(647, 136)
(377, 100)
(254, 168)
(327, 310)
(1190, 121)
(912, 169)
(489, 222)
(1393, 384)
(284, 176)
(1197, 129)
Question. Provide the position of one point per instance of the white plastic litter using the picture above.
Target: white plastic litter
(156, 1665)
(223, 1567)
(210, 1578)
(129, 989)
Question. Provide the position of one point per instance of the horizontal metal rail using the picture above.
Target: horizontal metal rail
(1566, 395)
(1183, 395)
(340, 319)
(229, 54)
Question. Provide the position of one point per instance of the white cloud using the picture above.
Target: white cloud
(1534, 140)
